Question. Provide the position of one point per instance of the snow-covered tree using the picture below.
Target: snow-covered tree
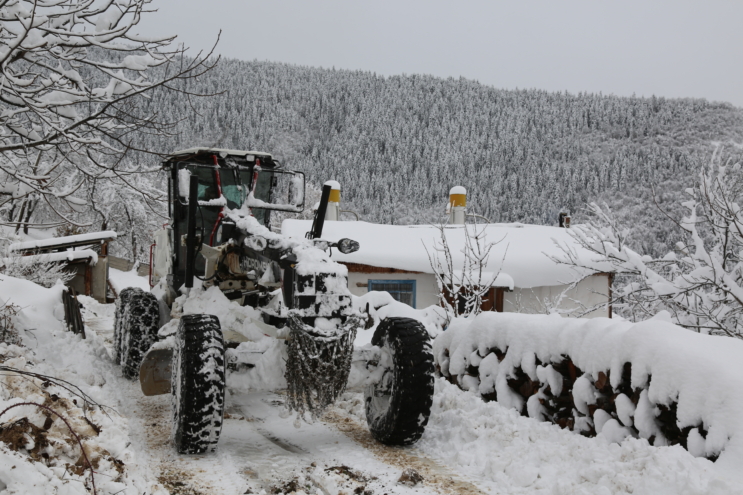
(463, 288)
(127, 207)
(74, 84)
(700, 283)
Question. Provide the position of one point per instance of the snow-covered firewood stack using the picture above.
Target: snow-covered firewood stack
(652, 380)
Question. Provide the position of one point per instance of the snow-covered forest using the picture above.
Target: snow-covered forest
(398, 144)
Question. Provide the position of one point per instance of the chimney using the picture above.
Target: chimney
(564, 220)
(334, 201)
(457, 205)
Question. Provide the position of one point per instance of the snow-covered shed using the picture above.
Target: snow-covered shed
(90, 265)
(395, 258)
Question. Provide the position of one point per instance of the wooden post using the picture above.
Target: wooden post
(611, 282)
(499, 299)
(88, 279)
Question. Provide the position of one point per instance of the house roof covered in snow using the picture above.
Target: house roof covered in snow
(69, 256)
(521, 255)
(69, 241)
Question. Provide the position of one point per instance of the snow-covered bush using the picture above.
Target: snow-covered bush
(35, 269)
(700, 283)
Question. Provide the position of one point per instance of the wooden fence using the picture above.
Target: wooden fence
(72, 314)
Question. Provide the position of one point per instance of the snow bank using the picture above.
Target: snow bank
(509, 454)
(121, 280)
(38, 454)
(42, 307)
(652, 379)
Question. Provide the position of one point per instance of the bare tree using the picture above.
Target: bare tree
(462, 291)
(700, 283)
(74, 83)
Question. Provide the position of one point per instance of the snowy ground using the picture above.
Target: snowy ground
(259, 450)
(490, 448)
(121, 280)
(469, 446)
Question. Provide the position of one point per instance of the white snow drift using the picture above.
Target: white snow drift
(702, 374)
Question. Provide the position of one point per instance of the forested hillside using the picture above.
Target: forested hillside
(397, 144)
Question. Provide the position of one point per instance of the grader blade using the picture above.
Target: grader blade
(154, 373)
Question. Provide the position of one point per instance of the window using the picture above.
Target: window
(400, 290)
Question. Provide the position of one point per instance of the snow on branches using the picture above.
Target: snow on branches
(74, 82)
(463, 290)
(700, 283)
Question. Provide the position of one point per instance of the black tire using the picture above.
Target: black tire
(398, 406)
(136, 322)
(198, 384)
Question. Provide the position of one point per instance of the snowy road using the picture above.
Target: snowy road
(260, 450)
(469, 447)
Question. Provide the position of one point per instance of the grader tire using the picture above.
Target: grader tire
(399, 405)
(136, 322)
(198, 384)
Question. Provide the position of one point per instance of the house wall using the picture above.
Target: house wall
(426, 290)
(99, 280)
(590, 291)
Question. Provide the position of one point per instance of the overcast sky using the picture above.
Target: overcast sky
(679, 48)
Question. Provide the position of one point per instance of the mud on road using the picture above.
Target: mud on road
(436, 477)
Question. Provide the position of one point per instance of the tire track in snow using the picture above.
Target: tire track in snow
(183, 474)
(435, 475)
(175, 478)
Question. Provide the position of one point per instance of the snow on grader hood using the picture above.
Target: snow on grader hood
(219, 232)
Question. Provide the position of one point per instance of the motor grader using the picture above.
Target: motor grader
(219, 235)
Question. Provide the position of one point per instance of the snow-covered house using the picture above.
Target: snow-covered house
(396, 259)
(393, 258)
